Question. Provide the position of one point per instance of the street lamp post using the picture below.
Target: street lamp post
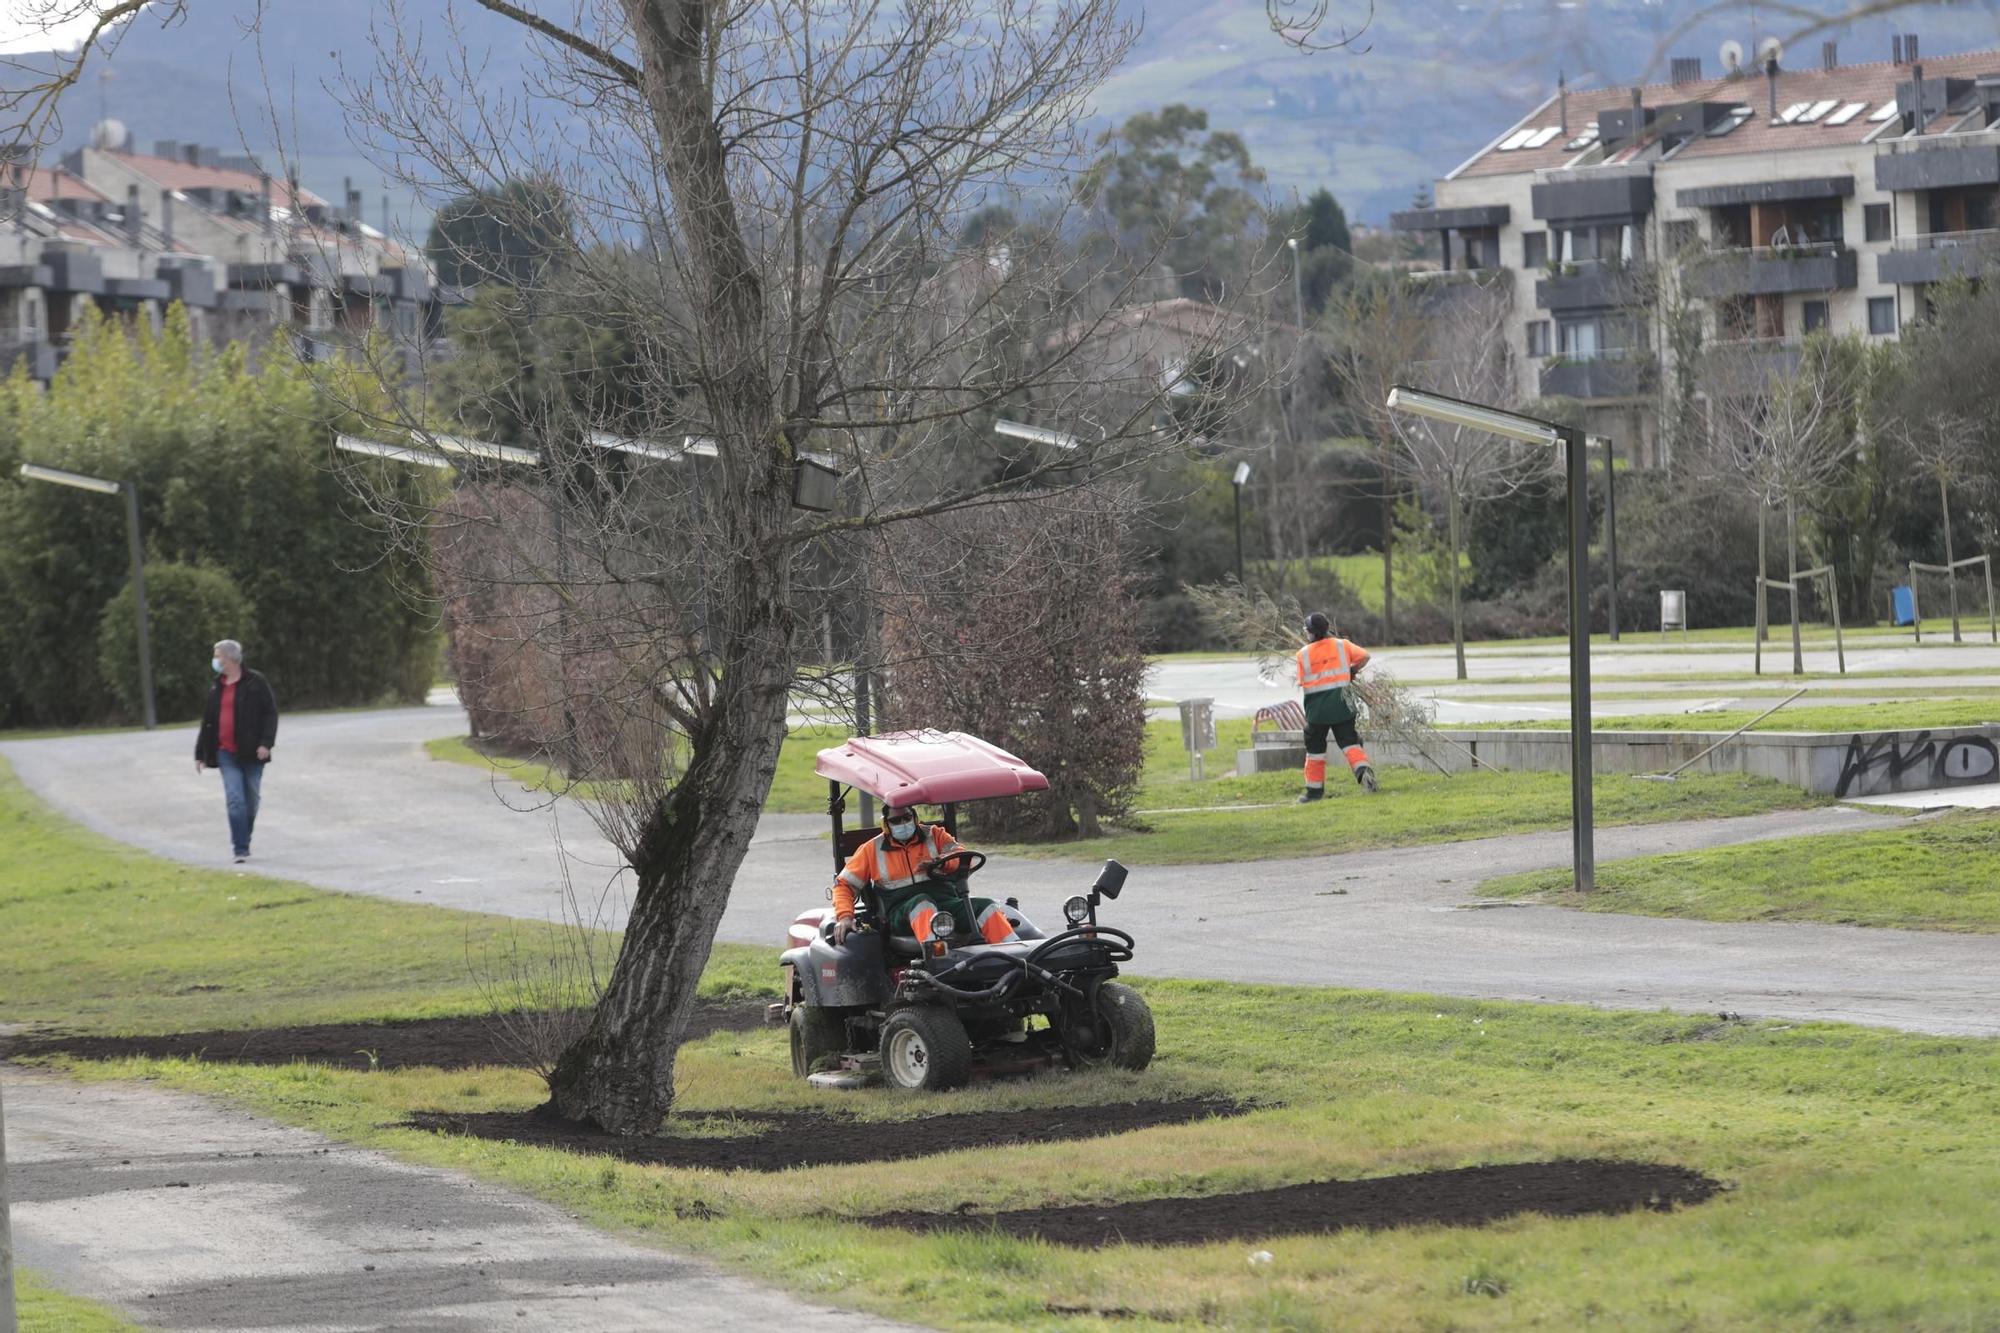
(35, 472)
(1238, 482)
(1531, 430)
(1298, 285)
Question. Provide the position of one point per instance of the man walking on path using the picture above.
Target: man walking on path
(238, 728)
(1326, 666)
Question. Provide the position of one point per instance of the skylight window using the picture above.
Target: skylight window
(1543, 135)
(1583, 140)
(1818, 109)
(1884, 112)
(1793, 112)
(1515, 140)
(1736, 118)
(1847, 113)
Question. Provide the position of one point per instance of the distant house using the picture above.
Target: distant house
(249, 258)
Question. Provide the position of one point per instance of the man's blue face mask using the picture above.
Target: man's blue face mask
(215, 665)
(903, 830)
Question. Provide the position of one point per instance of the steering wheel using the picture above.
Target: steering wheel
(962, 863)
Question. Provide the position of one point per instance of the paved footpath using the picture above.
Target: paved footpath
(353, 803)
(186, 1214)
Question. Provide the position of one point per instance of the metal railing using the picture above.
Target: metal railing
(1947, 240)
(1799, 250)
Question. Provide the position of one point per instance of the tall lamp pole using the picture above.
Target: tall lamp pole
(55, 475)
(1238, 482)
(1532, 430)
(1298, 285)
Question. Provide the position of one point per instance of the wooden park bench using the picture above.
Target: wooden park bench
(1280, 724)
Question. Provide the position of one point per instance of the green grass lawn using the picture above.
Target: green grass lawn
(1935, 874)
(1859, 1164)
(44, 1309)
(1903, 715)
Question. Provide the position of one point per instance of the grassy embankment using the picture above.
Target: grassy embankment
(1860, 1168)
(1941, 874)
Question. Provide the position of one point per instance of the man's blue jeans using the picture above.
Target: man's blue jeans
(240, 783)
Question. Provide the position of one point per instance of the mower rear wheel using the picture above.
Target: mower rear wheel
(1121, 1037)
(925, 1049)
(816, 1035)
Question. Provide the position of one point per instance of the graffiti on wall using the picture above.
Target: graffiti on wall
(1958, 762)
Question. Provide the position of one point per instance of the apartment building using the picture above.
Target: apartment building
(249, 258)
(1767, 203)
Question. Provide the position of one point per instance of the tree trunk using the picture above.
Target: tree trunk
(1792, 576)
(1763, 572)
(1457, 619)
(1950, 569)
(1388, 552)
(620, 1074)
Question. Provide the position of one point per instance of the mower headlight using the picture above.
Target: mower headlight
(944, 925)
(1077, 910)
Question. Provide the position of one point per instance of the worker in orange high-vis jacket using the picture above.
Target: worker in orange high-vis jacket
(897, 865)
(1326, 666)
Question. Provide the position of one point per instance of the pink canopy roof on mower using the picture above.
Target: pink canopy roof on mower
(928, 768)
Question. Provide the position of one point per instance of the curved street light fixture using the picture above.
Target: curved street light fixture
(1533, 430)
(76, 480)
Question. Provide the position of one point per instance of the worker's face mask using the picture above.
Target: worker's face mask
(902, 830)
(215, 665)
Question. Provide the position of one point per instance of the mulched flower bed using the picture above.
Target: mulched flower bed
(438, 1043)
(1470, 1196)
(786, 1139)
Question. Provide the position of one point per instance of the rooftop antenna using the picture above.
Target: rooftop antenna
(1732, 57)
(1562, 101)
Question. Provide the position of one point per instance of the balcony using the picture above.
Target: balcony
(1589, 284)
(1938, 256)
(1937, 164)
(1741, 366)
(41, 356)
(1609, 374)
(1608, 193)
(1772, 271)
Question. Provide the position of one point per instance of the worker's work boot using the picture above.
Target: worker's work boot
(1312, 794)
(1365, 775)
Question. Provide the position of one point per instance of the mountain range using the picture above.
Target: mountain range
(1423, 84)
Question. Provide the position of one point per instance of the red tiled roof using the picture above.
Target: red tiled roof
(173, 174)
(1873, 84)
(44, 185)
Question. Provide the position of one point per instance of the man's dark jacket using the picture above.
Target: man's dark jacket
(256, 720)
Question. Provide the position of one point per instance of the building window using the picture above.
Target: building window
(1815, 315)
(1682, 236)
(1534, 249)
(1538, 337)
(1881, 314)
(1578, 341)
(1875, 221)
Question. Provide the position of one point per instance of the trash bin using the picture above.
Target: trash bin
(1902, 605)
(1673, 611)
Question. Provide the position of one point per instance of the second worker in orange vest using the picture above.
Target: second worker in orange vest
(1326, 666)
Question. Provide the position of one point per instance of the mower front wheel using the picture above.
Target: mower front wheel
(817, 1034)
(925, 1049)
(1121, 1034)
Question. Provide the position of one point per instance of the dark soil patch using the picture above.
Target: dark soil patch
(439, 1043)
(818, 1138)
(1471, 1196)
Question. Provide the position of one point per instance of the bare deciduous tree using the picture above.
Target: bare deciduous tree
(1784, 439)
(764, 210)
(1465, 352)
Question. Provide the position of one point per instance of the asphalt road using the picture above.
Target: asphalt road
(187, 1214)
(1516, 669)
(353, 803)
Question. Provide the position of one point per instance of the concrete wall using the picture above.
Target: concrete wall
(1830, 763)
